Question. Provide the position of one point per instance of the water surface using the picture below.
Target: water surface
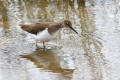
(93, 54)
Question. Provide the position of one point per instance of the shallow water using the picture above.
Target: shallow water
(93, 54)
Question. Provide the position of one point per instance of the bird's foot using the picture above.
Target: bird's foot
(41, 48)
(48, 47)
(37, 48)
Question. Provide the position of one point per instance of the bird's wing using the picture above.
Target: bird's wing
(35, 28)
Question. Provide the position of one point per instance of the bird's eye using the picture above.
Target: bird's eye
(67, 24)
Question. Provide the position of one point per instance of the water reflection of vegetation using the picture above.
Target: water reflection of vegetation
(91, 43)
(48, 61)
(4, 14)
(44, 8)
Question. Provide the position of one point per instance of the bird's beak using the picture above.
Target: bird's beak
(73, 29)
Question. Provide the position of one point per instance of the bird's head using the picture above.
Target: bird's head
(68, 24)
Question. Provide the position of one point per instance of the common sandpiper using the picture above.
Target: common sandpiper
(45, 31)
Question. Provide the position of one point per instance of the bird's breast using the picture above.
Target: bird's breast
(44, 36)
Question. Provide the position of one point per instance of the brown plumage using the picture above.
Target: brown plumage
(52, 26)
(35, 28)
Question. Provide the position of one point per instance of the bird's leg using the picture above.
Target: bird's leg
(37, 47)
(44, 45)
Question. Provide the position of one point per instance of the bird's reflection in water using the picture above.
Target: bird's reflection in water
(49, 61)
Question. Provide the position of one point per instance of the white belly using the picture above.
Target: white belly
(44, 36)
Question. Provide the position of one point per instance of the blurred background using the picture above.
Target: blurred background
(93, 54)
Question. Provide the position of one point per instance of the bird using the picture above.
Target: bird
(45, 31)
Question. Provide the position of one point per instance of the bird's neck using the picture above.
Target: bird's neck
(54, 28)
